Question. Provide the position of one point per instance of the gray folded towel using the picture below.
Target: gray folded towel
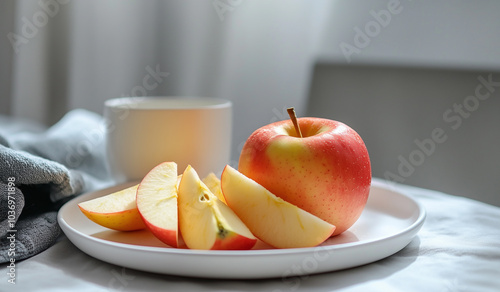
(39, 172)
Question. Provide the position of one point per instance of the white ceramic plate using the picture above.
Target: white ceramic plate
(388, 223)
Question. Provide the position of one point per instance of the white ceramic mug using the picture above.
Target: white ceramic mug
(145, 131)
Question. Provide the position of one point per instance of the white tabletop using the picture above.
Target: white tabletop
(457, 249)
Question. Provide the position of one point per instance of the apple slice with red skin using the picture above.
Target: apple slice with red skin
(270, 218)
(157, 202)
(205, 222)
(116, 211)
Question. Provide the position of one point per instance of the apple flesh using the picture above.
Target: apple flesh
(116, 211)
(213, 183)
(274, 221)
(157, 202)
(207, 223)
(326, 172)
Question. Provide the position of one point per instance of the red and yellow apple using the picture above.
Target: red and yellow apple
(157, 202)
(271, 219)
(325, 172)
(116, 211)
(206, 222)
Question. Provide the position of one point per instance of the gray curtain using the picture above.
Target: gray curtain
(57, 55)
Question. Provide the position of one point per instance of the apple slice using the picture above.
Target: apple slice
(207, 223)
(157, 202)
(116, 211)
(213, 183)
(270, 218)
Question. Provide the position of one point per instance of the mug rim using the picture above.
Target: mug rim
(131, 103)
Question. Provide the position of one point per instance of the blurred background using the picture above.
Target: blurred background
(419, 80)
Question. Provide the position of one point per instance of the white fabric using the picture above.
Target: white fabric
(457, 249)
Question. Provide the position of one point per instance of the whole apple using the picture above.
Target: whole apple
(325, 172)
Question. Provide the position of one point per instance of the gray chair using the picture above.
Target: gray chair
(431, 127)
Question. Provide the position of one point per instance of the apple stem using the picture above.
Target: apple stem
(293, 117)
